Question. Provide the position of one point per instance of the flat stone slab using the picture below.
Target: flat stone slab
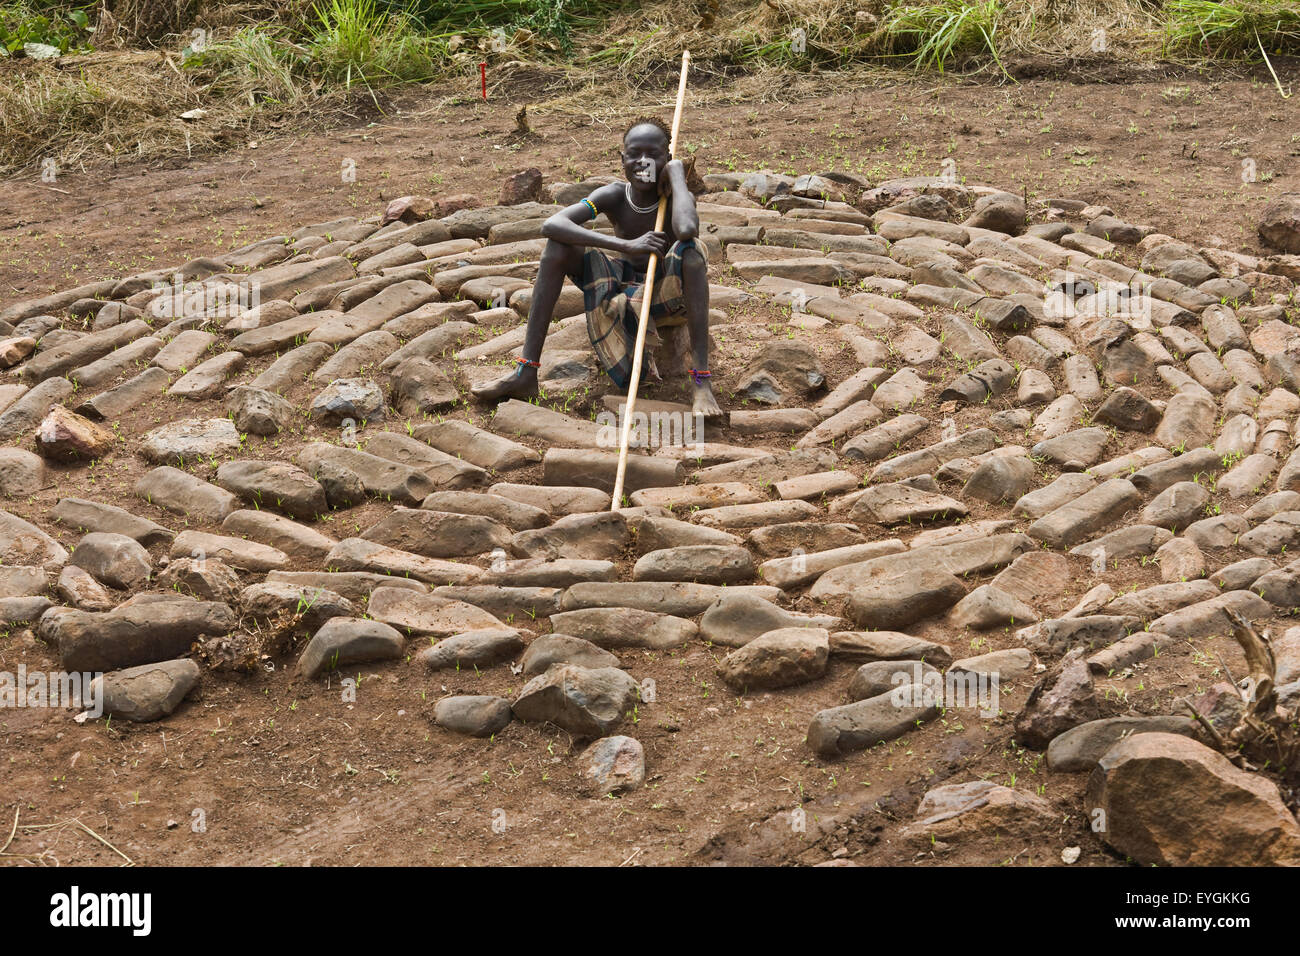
(964, 557)
(358, 554)
(838, 731)
(341, 641)
(476, 445)
(439, 534)
(235, 552)
(625, 627)
(191, 439)
(678, 598)
(148, 692)
(181, 493)
(417, 614)
(145, 630)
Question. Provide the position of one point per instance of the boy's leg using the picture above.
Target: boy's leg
(695, 291)
(558, 260)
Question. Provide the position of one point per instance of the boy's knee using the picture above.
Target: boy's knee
(561, 252)
(693, 259)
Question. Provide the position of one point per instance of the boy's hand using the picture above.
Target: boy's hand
(650, 242)
(672, 170)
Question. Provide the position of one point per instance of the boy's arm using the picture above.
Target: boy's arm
(566, 225)
(686, 219)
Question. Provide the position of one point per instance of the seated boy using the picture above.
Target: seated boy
(613, 285)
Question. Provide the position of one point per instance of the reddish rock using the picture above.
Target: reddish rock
(67, 436)
(446, 205)
(521, 187)
(1279, 223)
(410, 209)
(1167, 800)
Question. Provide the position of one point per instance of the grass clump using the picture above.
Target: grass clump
(1232, 28)
(944, 33)
(353, 40)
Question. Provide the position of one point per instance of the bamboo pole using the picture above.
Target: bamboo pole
(645, 302)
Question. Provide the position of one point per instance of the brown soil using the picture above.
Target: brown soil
(286, 773)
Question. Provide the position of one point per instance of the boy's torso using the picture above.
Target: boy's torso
(630, 224)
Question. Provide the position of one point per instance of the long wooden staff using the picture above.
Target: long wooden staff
(645, 302)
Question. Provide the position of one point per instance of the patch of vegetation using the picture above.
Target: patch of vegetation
(36, 27)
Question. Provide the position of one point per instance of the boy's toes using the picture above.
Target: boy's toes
(707, 405)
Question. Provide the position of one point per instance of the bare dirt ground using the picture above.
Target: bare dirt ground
(285, 773)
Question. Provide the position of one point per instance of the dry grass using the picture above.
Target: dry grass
(112, 106)
(842, 31)
(258, 75)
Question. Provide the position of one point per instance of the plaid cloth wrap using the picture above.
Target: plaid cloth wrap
(612, 293)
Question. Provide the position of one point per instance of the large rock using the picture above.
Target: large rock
(348, 399)
(782, 371)
(897, 503)
(480, 648)
(358, 554)
(1062, 699)
(781, 658)
(989, 606)
(704, 563)
(1001, 212)
(592, 537)
(476, 446)
(1166, 800)
(1004, 479)
(345, 472)
(736, 618)
(67, 436)
(1188, 421)
(889, 601)
(678, 598)
(274, 484)
(625, 627)
(439, 534)
(585, 702)
(94, 516)
(613, 765)
(32, 406)
(258, 411)
(311, 606)
(297, 541)
(842, 730)
(557, 648)
(22, 543)
(972, 556)
(148, 692)
(190, 439)
(421, 614)
(1081, 518)
(205, 580)
(1279, 223)
(473, 715)
(235, 552)
(22, 474)
(147, 629)
(116, 560)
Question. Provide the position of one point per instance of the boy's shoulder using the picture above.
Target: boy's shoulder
(608, 193)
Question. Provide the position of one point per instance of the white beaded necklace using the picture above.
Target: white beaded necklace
(627, 191)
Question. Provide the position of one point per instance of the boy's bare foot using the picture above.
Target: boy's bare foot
(704, 402)
(521, 383)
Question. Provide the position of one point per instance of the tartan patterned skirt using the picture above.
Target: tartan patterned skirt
(612, 293)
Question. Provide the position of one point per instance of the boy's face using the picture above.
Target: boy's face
(644, 154)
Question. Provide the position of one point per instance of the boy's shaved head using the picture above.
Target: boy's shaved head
(654, 121)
